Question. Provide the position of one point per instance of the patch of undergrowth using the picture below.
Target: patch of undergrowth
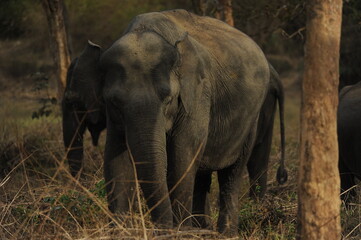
(36, 146)
(351, 218)
(271, 218)
(75, 206)
(66, 208)
(46, 101)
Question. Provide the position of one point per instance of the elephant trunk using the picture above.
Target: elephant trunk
(146, 141)
(73, 130)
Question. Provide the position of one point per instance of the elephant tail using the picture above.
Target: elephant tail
(282, 174)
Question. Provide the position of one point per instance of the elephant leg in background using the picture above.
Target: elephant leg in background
(229, 180)
(75, 157)
(257, 172)
(73, 131)
(258, 164)
(347, 181)
(201, 207)
(119, 173)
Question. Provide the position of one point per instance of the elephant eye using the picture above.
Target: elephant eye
(164, 92)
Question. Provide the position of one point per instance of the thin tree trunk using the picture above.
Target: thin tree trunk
(205, 7)
(225, 11)
(220, 9)
(318, 182)
(54, 10)
(197, 7)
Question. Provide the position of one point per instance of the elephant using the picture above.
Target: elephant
(73, 129)
(349, 139)
(74, 125)
(183, 97)
(82, 106)
(258, 163)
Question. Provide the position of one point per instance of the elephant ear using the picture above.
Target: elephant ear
(190, 71)
(86, 80)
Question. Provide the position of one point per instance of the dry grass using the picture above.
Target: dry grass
(40, 200)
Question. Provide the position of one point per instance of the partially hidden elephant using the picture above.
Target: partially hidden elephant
(184, 96)
(82, 106)
(349, 139)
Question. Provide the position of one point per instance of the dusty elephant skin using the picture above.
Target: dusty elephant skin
(76, 120)
(183, 95)
(179, 87)
(349, 138)
(82, 107)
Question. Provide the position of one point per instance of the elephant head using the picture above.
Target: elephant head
(150, 83)
(82, 106)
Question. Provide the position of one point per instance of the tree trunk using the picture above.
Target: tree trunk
(198, 7)
(220, 9)
(54, 10)
(205, 7)
(318, 182)
(225, 11)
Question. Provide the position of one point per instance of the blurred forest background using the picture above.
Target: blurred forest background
(39, 200)
(278, 26)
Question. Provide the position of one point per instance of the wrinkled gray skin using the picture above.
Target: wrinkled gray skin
(258, 163)
(183, 106)
(349, 138)
(73, 100)
(183, 94)
(82, 106)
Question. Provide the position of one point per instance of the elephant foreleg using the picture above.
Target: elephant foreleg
(181, 177)
(119, 174)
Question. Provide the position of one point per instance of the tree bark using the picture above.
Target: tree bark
(220, 9)
(225, 11)
(318, 182)
(205, 7)
(54, 10)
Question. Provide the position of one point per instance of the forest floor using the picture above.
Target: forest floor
(40, 200)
